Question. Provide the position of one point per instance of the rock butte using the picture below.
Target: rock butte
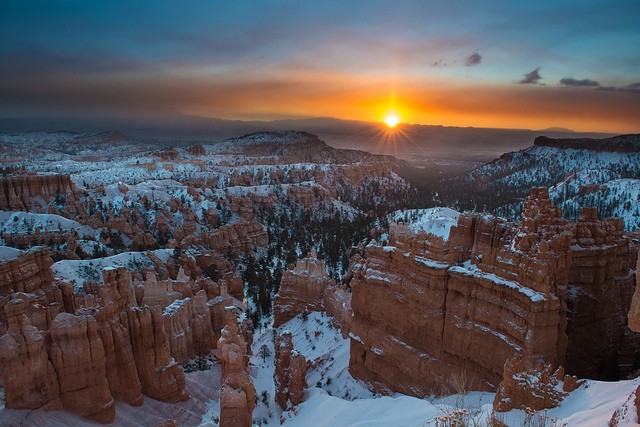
(427, 310)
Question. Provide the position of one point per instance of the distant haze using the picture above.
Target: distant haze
(406, 141)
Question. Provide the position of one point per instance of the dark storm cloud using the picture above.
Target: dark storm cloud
(568, 81)
(532, 77)
(473, 59)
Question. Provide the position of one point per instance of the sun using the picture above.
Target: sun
(391, 119)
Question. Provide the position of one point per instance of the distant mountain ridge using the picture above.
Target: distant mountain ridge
(602, 173)
(411, 142)
(619, 144)
(297, 146)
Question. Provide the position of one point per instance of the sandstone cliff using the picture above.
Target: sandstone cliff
(34, 192)
(189, 328)
(77, 355)
(237, 393)
(290, 375)
(160, 376)
(113, 327)
(307, 287)
(79, 352)
(429, 309)
(29, 379)
(634, 310)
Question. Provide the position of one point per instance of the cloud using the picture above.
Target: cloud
(571, 82)
(532, 77)
(568, 81)
(474, 59)
(633, 87)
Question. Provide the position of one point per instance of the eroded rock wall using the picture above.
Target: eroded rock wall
(425, 313)
(307, 287)
(79, 352)
(33, 192)
(290, 375)
(237, 392)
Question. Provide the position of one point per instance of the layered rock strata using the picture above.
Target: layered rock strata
(427, 309)
(81, 351)
(237, 392)
(29, 379)
(77, 355)
(307, 287)
(33, 192)
(188, 327)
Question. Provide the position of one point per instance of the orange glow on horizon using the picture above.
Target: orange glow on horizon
(432, 102)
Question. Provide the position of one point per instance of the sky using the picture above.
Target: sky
(505, 64)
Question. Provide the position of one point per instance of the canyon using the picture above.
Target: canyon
(250, 280)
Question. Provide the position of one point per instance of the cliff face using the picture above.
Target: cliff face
(30, 382)
(425, 312)
(26, 273)
(160, 376)
(33, 192)
(307, 287)
(237, 393)
(80, 352)
(189, 328)
(301, 288)
(113, 327)
(77, 355)
(601, 284)
(634, 310)
(290, 375)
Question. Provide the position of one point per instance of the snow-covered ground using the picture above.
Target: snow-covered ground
(345, 402)
(27, 222)
(436, 221)
(78, 271)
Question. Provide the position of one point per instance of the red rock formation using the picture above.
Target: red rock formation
(532, 385)
(418, 318)
(307, 287)
(237, 393)
(308, 195)
(188, 326)
(77, 355)
(27, 272)
(634, 322)
(290, 375)
(28, 376)
(28, 276)
(238, 237)
(159, 374)
(301, 288)
(196, 150)
(115, 298)
(23, 192)
(337, 304)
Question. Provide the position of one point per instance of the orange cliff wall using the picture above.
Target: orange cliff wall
(33, 192)
(426, 314)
